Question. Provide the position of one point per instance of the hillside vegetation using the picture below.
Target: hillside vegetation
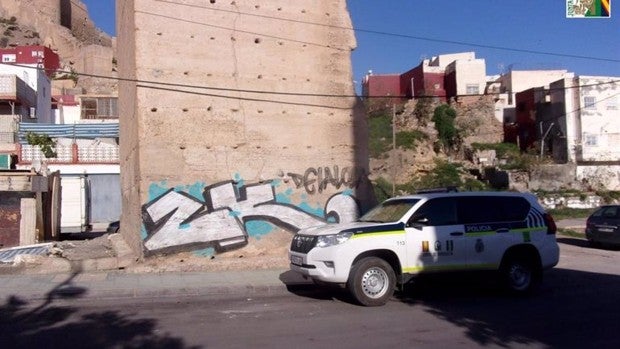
(438, 144)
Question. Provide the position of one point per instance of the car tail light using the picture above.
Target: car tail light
(551, 227)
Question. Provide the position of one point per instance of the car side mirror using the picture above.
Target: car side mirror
(418, 222)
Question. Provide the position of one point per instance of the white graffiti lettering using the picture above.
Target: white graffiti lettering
(178, 221)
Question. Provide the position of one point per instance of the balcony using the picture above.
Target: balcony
(80, 151)
(75, 143)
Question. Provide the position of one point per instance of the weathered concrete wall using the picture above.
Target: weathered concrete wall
(571, 176)
(553, 177)
(243, 122)
(599, 177)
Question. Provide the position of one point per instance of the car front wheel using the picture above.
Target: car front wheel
(371, 281)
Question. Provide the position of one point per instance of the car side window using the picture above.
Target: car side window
(492, 209)
(435, 212)
(610, 212)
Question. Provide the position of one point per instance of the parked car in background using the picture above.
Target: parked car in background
(603, 226)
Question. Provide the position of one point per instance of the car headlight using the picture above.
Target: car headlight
(333, 239)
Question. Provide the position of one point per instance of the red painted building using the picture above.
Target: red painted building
(418, 82)
(40, 56)
(381, 85)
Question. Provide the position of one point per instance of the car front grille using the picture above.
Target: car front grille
(303, 243)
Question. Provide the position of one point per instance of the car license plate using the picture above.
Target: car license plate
(296, 260)
(606, 230)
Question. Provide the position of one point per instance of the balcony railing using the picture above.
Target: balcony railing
(94, 153)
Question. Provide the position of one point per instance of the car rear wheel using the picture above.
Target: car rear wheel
(521, 275)
(371, 281)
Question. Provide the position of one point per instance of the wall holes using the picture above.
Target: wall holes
(257, 41)
(153, 110)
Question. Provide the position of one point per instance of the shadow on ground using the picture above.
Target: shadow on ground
(24, 325)
(586, 244)
(572, 309)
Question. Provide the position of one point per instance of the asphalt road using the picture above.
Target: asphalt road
(576, 307)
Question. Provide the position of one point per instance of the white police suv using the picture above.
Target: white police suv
(430, 232)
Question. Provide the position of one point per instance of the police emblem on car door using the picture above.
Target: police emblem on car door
(434, 238)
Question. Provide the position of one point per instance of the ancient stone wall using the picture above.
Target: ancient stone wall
(244, 121)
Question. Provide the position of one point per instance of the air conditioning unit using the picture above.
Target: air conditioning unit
(33, 113)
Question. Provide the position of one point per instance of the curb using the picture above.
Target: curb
(114, 285)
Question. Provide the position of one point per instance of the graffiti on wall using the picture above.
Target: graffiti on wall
(227, 213)
(318, 179)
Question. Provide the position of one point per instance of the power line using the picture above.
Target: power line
(405, 36)
(170, 85)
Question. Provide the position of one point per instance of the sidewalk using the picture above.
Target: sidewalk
(118, 284)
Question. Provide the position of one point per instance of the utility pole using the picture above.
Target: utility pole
(393, 149)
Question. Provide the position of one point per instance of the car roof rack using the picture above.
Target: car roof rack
(448, 189)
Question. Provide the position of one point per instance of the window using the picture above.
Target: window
(607, 212)
(612, 103)
(389, 211)
(589, 103)
(441, 211)
(99, 108)
(591, 140)
(490, 209)
(472, 89)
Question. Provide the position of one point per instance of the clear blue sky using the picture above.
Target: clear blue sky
(422, 27)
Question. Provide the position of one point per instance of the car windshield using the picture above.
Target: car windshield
(389, 211)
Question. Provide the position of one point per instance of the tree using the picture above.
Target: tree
(45, 143)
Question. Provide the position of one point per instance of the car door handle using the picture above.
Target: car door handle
(502, 230)
(456, 233)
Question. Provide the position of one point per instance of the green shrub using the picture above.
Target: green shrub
(408, 139)
(442, 175)
(608, 196)
(568, 212)
(45, 143)
(380, 135)
(382, 188)
(443, 117)
(502, 150)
